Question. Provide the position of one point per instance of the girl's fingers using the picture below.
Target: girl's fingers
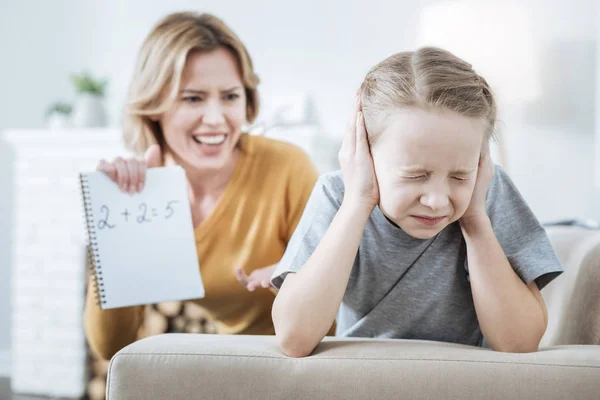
(361, 133)
(358, 102)
(484, 156)
(350, 139)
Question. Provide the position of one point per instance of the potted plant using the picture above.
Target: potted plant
(89, 108)
(58, 115)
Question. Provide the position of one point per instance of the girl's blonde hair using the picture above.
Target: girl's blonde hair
(428, 77)
(157, 75)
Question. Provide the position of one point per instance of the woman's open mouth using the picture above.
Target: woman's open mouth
(210, 145)
(210, 140)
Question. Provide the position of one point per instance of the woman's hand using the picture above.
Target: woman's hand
(358, 173)
(258, 278)
(130, 173)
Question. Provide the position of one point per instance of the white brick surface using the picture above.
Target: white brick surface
(48, 352)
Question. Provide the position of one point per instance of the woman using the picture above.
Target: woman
(192, 94)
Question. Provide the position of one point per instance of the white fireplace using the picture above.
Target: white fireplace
(48, 352)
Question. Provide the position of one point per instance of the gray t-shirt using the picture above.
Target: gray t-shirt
(403, 287)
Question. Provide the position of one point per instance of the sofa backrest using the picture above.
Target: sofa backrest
(573, 299)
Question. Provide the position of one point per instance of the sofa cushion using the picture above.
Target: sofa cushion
(183, 366)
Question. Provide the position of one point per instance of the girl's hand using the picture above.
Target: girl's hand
(485, 174)
(130, 173)
(360, 182)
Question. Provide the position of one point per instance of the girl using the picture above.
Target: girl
(402, 243)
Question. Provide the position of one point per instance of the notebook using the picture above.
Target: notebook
(142, 247)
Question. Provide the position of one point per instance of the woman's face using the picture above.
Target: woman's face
(426, 167)
(203, 125)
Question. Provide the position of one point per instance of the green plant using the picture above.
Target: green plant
(59, 107)
(85, 83)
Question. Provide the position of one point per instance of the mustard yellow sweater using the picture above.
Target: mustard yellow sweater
(250, 226)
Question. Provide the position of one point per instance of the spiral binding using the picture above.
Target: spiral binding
(91, 242)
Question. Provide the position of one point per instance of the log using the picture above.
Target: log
(155, 323)
(100, 367)
(193, 327)
(178, 323)
(169, 308)
(210, 327)
(194, 312)
(96, 388)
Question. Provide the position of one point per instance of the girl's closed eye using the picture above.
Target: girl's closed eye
(459, 178)
(420, 177)
(415, 177)
(462, 177)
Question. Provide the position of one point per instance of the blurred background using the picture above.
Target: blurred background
(540, 56)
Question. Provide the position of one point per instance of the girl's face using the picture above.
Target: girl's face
(203, 125)
(426, 166)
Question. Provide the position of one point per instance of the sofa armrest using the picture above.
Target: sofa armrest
(183, 366)
(573, 299)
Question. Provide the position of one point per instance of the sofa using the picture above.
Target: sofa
(567, 365)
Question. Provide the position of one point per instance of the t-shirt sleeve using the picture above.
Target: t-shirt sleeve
(320, 210)
(522, 237)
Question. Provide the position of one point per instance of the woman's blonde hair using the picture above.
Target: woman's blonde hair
(157, 75)
(428, 77)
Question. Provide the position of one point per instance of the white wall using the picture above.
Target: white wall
(597, 165)
(288, 42)
(314, 46)
(551, 153)
(6, 203)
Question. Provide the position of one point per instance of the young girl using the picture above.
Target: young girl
(402, 243)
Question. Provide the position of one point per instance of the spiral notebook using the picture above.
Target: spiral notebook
(142, 247)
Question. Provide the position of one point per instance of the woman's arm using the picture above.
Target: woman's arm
(300, 181)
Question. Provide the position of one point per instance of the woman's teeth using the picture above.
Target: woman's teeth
(214, 140)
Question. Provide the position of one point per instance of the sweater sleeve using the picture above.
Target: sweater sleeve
(301, 181)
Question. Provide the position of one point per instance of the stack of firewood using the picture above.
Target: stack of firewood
(171, 317)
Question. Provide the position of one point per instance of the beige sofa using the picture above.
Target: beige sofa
(180, 366)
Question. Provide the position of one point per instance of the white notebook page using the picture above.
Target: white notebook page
(145, 242)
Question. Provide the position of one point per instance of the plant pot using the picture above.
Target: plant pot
(58, 120)
(88, 111)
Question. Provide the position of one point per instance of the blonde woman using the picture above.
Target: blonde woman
(419, 236)
(193, 92)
